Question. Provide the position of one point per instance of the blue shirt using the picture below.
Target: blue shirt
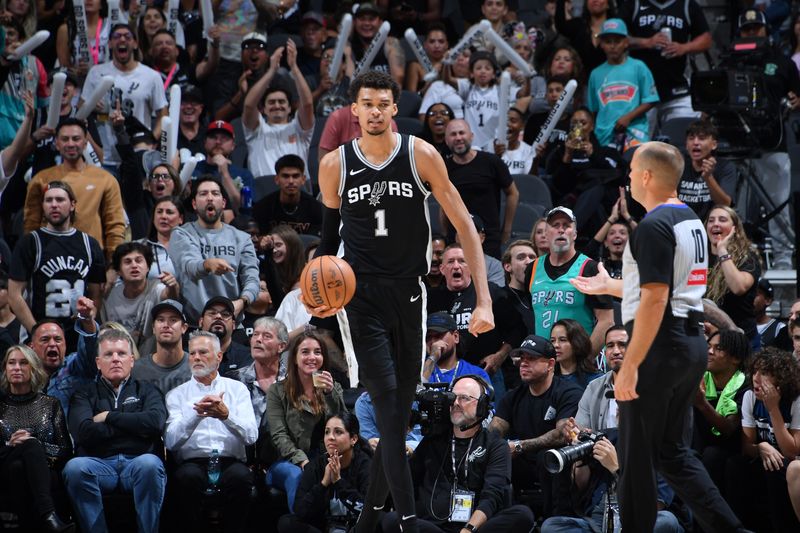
(615, 90)
(78, 369)
(462, 368)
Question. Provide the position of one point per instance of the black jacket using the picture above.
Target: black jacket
(134, 424)
(488, 474)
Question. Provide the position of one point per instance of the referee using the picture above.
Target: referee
(663, 281)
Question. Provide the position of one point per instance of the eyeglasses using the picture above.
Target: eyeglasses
(160, 177)
(465, 398)
(223, 314)
(440, 112)
(122, 35)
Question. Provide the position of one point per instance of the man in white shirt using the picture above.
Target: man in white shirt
(138, 90)
(209, 414)
(272, 135)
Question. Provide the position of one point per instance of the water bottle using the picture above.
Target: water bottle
(213, 471)
(668, 32)
(247, 198)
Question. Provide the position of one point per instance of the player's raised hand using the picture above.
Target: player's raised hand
(482, 319)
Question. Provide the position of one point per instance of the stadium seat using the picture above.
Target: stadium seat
(262, 186)
(239, 154)
(408, 105)
(533, 191)
(411, 126)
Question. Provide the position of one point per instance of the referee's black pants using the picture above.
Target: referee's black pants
(653, 434)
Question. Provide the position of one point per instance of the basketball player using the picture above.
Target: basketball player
(663, 281)
(57, 264)
(376, 187)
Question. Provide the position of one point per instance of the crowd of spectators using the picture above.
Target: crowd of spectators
(151, 335)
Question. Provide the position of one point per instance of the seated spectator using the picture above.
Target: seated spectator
(218, 146)
(284, 263)
(733, 269)
(117, 424)
(621, 91)
(365, 412)
(210, 416)
(574, 355)
(533, 417)
(268, 341)
(484, 480)
(718, 403)
(768, 328)
(67, 374)
(269, 132)
(130, 302)
(11, 330)
(168, 365)
(37, 443)
(541, 244)
(296, 407)
(434, 126)
(771, 428)
(333, 486)
(312, 33)
(191, 133)
(706, 181)
(218, 318)
(168, 214)
(494, 268)
(442, 364)
(291, 204)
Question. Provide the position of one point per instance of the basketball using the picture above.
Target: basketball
(327, 280)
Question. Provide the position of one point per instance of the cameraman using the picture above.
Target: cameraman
(462, 478)
(773, 168)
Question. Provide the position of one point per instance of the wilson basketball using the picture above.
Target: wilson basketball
(327, 280)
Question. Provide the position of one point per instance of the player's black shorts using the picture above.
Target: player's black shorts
(385, 322)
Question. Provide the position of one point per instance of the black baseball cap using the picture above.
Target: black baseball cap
(168, 304)
(766, 287)
(441, 322)
(480, 227)
(535, 346)
(220, 300)
(191, 92)
(752, 17)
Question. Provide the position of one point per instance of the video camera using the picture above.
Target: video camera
(432, 411)
(557, 459)
(736, 98)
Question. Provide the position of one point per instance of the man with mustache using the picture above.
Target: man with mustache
(218, 318)
(207, 414)
(212, 258)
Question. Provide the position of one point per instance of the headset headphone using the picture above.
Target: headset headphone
(487, 395)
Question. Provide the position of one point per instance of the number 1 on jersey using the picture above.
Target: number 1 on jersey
(381, 230)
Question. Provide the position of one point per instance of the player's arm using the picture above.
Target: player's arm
(18, 304)
(653, 303)
(601, 283)
(329, 170)
(432, 171)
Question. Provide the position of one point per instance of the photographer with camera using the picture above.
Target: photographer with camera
(462, 476)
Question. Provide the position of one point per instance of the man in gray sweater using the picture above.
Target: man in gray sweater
(212, 258)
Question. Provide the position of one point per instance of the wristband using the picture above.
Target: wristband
(723, 258)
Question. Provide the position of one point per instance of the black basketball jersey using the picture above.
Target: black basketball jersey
(385, 225)
(57, 267)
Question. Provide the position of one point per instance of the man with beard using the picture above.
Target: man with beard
(164, 55)
(168, 366)
(480, 177)
(212, 258)
(208, 414)
(55, 264)
(218, 318)
(534, 416)
(98, 208)
(219, 145)
(489, 350)
(253, 60)
(65, 374)
(516, 259)
(138, 91)
(597, 410)
(191, 134)
(462, 476)
(268, 131)
(442, 364)
(547, 280)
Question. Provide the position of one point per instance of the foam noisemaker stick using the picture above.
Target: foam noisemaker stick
(207, 12)
(100, 91)
(175, 121)
(509, 52)
(373, 49)
(28, 46)
(338, 53)
(502, 123)
(90, 156)
(555, 114)
(56, 92)
(172, 16)
(187, 171)
(421, 54)
(475, 31)
(166, 125)
(79, 9)
(113, 12)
